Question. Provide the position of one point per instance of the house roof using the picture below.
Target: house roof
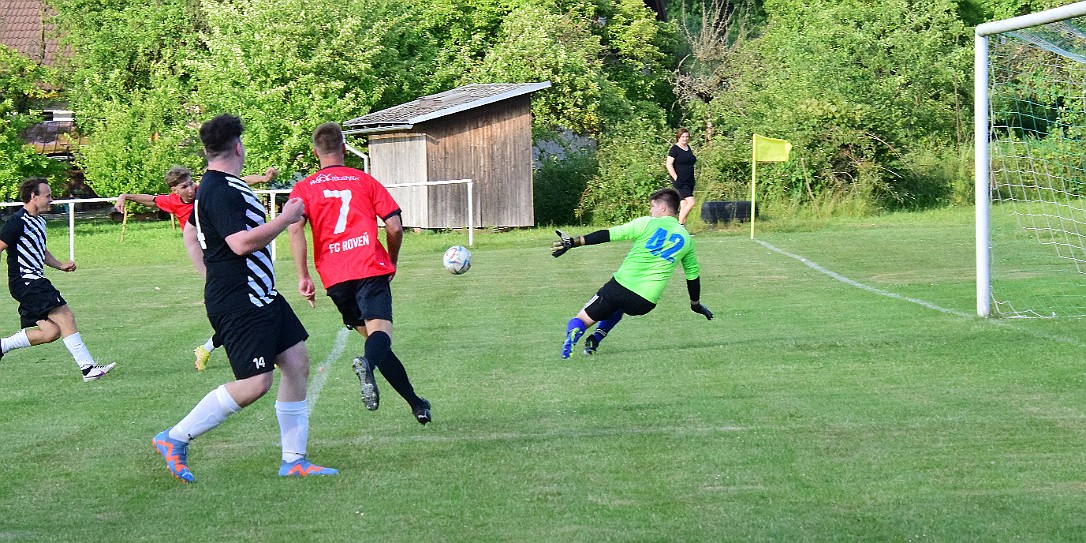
(406, 116)
(23, 28)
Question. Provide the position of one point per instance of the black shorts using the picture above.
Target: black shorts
(360, 300)
(36, 297)
(253, 338)
(686, 190)
(613, 297)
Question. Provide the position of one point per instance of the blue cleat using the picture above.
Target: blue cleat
(303, 468)
(176, 455)
(571, 339)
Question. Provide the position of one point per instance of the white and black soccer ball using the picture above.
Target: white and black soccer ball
(457, 260)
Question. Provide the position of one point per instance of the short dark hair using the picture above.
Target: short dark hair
(219, 134)
(328, 139)
(668, 196)
(29, 188)
(177, 175)
(680, 132)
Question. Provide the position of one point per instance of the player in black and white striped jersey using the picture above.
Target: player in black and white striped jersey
(43, 313)
(256, 325)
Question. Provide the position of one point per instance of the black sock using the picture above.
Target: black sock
(393, 371)
(378, 347)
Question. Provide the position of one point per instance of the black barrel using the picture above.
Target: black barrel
(724, 211)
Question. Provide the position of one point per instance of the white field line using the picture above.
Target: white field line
(929, 305)
(316, 383)
(859, 285)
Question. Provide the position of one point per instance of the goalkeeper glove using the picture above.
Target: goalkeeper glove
(564, 243)
(698, 308)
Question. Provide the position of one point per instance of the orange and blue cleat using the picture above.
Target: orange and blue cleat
(303, 468)
(176, 455)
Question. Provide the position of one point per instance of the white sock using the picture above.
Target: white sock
(210, 345)
(79, 351)
(18, 340)
(293, 428)
(209, 413)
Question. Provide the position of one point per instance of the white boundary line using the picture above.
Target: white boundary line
(929, 305)
(859, 285)
(316, 383)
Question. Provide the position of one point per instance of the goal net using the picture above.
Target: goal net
(1031, 164)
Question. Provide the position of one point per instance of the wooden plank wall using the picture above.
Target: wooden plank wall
(401, 158)
(491, 145)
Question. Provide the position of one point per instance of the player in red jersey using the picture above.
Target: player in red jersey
(342, 206)
(179, 203)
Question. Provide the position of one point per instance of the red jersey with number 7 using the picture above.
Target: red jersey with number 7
(342, 205)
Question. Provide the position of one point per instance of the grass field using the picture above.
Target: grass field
(850, 396)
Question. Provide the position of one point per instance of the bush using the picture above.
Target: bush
(631, 167)
(563, 163)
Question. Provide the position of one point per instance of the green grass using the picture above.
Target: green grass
(807, 410)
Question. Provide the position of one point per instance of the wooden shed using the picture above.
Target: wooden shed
(481, 132)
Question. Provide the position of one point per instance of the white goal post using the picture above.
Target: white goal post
(1030, 162)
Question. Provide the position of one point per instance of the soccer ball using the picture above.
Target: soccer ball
(457, 260)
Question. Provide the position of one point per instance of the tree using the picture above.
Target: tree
(129, 84)
(22, 83)
(855, 87)
(713, 31)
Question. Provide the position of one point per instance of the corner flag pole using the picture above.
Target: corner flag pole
(753, 178)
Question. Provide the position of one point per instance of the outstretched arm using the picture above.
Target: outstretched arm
(145, 199)
(566, 242)
(248, 241)
(268, 175)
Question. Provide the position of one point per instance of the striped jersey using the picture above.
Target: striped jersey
(225, 205)
(24, 235)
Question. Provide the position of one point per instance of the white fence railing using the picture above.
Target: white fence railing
(72, 202)
(272, 209)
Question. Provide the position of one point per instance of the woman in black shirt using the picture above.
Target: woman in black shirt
(680, 165)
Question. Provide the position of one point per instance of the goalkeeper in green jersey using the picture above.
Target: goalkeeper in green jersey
(660, 244)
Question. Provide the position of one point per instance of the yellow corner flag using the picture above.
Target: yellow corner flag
(770, 149)
(764, 150)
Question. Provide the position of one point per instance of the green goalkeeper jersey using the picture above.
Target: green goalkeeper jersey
(660, 244)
